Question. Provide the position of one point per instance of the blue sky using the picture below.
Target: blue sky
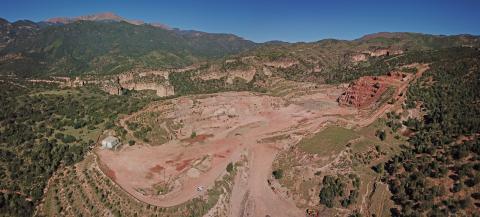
(286, 20)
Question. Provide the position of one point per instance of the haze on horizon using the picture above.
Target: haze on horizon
(284, 20)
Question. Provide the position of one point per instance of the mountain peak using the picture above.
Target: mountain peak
(105, 16)
(101, 16)
(3, 21)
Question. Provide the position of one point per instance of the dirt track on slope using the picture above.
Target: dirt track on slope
(400, 89)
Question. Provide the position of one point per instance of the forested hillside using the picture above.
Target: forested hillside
(112, 47)
(438, 172)
(89, 47)
(43, 128)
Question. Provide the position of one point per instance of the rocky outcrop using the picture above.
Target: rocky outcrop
(161, 90)
(383, 52)
(367, 90)
(246, 75)
(146, 80)
(359, 57)
(362, 92)
(107, 16)
(135, 80)
(284, 63)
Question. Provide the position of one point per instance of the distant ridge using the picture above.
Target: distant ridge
(105, 16)
(107, 43)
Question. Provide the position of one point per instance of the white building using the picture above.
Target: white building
(110, 142)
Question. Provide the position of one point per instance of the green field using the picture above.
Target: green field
(328, 141)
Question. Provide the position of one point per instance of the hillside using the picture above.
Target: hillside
(329, 60)
(95, 47)
(109, 44)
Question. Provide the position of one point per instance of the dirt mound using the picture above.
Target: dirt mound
(367, 90)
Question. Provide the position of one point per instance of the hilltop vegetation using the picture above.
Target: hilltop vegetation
(445, 146)
(336, 61)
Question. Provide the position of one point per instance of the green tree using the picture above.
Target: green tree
(277, 174)
(230, 167)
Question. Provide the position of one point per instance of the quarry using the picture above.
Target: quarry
(203, 134)
(107, 116)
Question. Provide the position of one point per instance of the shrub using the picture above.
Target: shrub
(381, 134)
(277, 174)
(230, 167)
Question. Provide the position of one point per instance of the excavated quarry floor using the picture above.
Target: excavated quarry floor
(228, 125)
(236, 123)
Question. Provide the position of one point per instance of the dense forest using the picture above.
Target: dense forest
(438, 172)
(384, 64)
(43, 128)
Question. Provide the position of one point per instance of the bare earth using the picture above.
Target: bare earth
(228, 125)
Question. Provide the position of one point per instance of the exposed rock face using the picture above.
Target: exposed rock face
(245, 70)
(136, 80)
(160, 89)
(367, 90)
(112, 88)
(267, 71)
(107, 16)
(146, 80)
(246, 75)
(362, 92)
(383, 52)
(359, 57)
(285, 63)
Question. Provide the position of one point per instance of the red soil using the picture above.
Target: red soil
(198, 138)
(108, 172)
(367, 90)
(183, 164)
(149, 175)
(157, 169)
(219, 155)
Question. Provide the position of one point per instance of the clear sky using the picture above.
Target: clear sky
(262, 20)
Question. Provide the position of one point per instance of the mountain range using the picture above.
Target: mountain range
(106, 43)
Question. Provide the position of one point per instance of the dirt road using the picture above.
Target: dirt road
(387, 107)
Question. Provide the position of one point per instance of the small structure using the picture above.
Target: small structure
(110, 142)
